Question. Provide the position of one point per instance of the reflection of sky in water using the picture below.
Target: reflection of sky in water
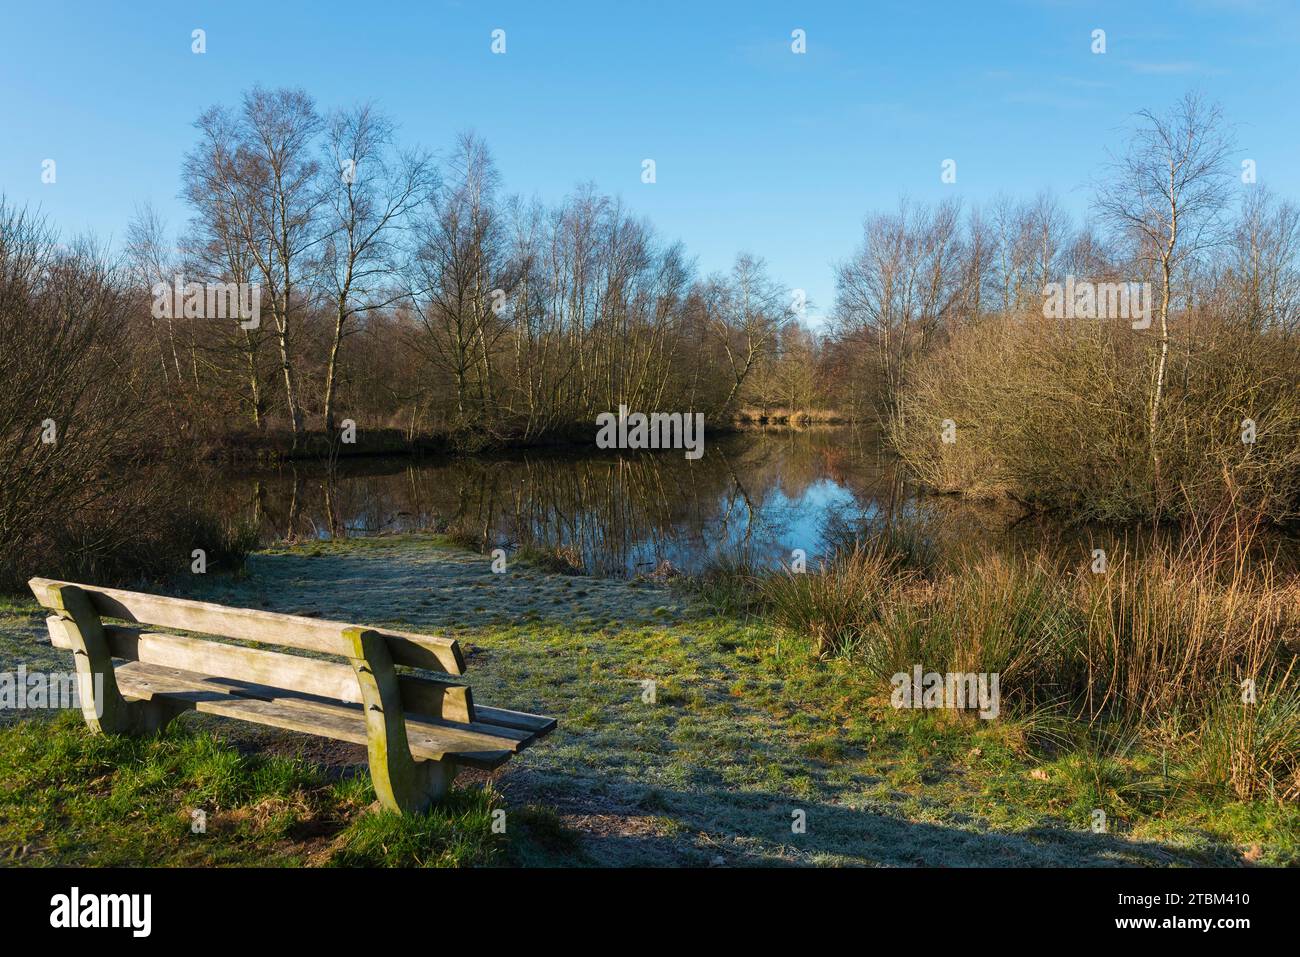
(762, 533)
(751, 498)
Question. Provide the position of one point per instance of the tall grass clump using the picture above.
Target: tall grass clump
(1171, 625)
(839, 603)
(1009, 616)
(909, 538)
(728, 584)
(1158, 640)
(1251, 748)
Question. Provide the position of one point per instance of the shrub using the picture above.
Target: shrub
(79, 431)
(1056, 416)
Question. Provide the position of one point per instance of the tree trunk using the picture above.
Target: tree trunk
(1158, 390)
(331, 372)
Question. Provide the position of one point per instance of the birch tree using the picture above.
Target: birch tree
(1167, 195)
(372, 189)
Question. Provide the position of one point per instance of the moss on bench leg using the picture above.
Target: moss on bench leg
(102, 705)
(402, 783)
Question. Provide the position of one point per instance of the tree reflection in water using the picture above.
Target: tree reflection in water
(754, 497)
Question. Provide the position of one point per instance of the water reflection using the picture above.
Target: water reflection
(753, 496)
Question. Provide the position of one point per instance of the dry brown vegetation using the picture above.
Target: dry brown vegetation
(1188, 408)
(80, 435)
(1057, 416)
(1191, 644)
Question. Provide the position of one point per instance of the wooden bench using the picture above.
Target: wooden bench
(417, 730)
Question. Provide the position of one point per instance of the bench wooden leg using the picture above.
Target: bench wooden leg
(402, 783)
(102, 704)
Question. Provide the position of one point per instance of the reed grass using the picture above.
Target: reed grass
(1163, 639)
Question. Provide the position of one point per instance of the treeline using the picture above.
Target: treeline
(418, 296)
(1182, 398)
(86, 493)
(392, 292)
(401, 292)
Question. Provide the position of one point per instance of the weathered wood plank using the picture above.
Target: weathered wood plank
(437, 699)
(338, 722)
(535, 724)
(468, 736)
(247, 624)
(425, 696)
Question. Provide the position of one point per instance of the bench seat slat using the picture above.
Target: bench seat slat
(248, 624)
(535, 724)
(345, 722)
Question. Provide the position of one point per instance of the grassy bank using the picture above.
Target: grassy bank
(1184, 652)
(747, 724)
(188, 797)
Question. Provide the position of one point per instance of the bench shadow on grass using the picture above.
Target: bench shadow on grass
(753, 828)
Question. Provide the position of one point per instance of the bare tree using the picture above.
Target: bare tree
(152, 261)
(1046, 228)
(1263, 263)
(747, 312)
(260, 163)
(1168, 194)
(459, 261)
(216, 248)
(372, 189)
(903, 284)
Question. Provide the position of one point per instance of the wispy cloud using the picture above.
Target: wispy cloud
(1079, 84)
(1058, 92)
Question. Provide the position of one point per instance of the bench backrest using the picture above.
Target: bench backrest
(336, 680)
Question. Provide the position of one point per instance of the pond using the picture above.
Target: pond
(755, 496)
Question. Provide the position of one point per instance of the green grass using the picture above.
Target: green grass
(457, 833)
(69, 797)
(744, 711)
(748, 724)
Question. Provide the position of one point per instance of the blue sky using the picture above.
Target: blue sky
(756, 147)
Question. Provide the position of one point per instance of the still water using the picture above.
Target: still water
(754, 497)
